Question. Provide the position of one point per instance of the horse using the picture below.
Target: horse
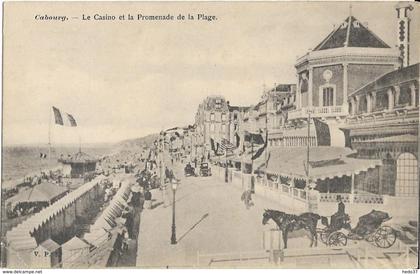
(290, 222)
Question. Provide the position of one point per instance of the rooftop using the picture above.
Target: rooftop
(351, 33)
(392, 78)
(79, 157)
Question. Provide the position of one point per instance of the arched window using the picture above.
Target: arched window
(407, 176)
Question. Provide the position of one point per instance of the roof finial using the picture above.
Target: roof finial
(350, 9)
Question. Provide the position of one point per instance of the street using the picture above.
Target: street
(210, 218)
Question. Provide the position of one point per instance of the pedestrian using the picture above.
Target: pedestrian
(246, 197)
(337, 219)
(148, 199)
(135, 199)
(129, 222)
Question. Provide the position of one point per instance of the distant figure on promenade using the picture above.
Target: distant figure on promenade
(338, 217)
(129, 221)
(136, 197)
(148, 199)
(247, 198)
(169, 174)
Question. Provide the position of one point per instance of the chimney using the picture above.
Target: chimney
(403, 35)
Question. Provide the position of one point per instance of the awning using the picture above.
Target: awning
(406, 138)
(44, 192)
(247, 159)
(325, 162)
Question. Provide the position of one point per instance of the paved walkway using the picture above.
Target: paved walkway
(210, 218)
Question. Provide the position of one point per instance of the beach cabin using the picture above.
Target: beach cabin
(74, 253)
(46, 255)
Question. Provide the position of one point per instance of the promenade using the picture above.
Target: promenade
(210, 218)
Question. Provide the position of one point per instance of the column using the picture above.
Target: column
(373, 108)
(310, 80)
(390, 99)
(412, 95)
(368, 103)
(345, 86)
(353, 106)
(298, 93)
(397, 95)
(356, 104)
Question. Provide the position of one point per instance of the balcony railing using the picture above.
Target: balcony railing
(330, 111)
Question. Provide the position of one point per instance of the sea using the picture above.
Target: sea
(22, 160)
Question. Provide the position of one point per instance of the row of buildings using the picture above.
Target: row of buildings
(353, 82)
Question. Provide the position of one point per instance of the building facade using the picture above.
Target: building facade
(348, 58)
(212, 121)
(383, 124)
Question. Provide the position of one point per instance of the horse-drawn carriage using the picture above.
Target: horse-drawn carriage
(336, 233)
(370, 228)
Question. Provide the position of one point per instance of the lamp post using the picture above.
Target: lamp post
(173, 236)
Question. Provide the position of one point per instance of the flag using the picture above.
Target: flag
(261, 150)
(237, 140)
(226, 145)
(347, 140)
(57, 116)
(215, 147)
(212, 144)
(254, 138)
(329, 134)
(71, 120)
(323, 134)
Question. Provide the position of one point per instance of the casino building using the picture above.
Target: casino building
(352, 80)
(348, 58)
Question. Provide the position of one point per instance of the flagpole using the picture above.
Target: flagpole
(49, 137)
(226, 167)
(266, 131)
(252, 154)
(307, 151)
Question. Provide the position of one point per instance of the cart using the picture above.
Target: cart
(369, 228)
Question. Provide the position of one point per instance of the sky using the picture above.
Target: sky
(126, 79)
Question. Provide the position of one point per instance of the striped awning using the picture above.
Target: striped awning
(325, 162)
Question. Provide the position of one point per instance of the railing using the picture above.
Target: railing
(230, 257)
(368, 199)
(358, 257)
(332, 197)
(285, 189)
(383, 115)
(318, 112)
(365, 198)
(302, 194)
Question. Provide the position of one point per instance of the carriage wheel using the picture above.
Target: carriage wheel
(323, 235)
(370, 237)
(385, 237)
(337, 239)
